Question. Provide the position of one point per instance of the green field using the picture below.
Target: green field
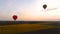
(20, 28)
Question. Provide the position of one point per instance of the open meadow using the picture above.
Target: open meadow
(21, 28)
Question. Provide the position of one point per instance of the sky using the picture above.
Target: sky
(30, 10)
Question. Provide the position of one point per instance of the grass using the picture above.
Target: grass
(12, 29)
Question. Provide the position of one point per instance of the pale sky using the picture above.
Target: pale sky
(30, 10)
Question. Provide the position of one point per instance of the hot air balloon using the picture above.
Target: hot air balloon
(44, 6)
(15, 17)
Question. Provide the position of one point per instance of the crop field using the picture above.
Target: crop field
(21, 28)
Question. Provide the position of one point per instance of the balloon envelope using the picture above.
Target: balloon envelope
(14, 17)
(44, 6)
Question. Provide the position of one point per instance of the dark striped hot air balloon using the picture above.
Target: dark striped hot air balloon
(44, 6)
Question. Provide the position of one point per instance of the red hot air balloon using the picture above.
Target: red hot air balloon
(14, 17)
